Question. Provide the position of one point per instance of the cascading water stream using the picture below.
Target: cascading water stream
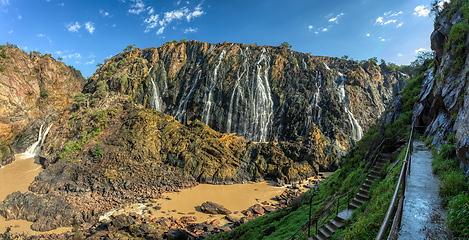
(156, 100)
(314, 110)
(251, 105)
(213, 82)
(183, 105)
(35, 149)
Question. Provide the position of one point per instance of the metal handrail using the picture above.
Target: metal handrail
(343, 195)
(401, 182)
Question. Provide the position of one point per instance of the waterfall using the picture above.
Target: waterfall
(183, 105)
(357, 132)
(251, 106)
(35, 149)
(313, 112)
(156, 100)
(213, 82)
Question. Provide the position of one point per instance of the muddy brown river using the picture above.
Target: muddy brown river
(18, 175)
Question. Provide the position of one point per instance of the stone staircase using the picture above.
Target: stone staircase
(332, 225)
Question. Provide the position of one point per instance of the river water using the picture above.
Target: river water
(17, 176)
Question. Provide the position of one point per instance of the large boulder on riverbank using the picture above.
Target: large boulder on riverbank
(214, 208)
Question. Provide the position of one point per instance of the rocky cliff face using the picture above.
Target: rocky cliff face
(443, 104)
(261, 93)
(271, 113)
(32, 88)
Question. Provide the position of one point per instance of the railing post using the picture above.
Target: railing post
(317, 226)
(338, 203)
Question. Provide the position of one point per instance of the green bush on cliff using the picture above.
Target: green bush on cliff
(458, 215)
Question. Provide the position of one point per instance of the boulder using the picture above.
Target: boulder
(214, 208)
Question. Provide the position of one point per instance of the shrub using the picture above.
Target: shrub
(458, 215)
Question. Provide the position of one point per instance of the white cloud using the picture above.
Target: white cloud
(10, 32)
(367, 34)
(105, 14)
(336, 18)
(442, 3)
(196, 13)
(324, 29)
(420, 50)
(160, 31)
(139, 7)
(190, 30)
(400, 55)
(73, 27)
(89, 62)
(74, 55)
(389, 18)
(5, 2)
(154, 20)
(310, 27)
(379, 20)
(41, 35)
(61, 4)
(422, 11)
(90, 27)
(399, 25)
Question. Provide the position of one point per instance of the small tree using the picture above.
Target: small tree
(99, 64)
(183, 40)
(129, 48)
(286, 45)
(60, 58)
(345, 57)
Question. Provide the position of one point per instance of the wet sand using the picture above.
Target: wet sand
(236, 197)
(17, 176)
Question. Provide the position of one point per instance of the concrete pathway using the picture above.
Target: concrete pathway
(423, 216)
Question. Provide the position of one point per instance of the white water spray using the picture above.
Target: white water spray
(156, 100)
(213, 82)
(251, 105)
(182, 109)
(35, 149)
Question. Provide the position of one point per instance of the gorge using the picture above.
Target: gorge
(154, 121)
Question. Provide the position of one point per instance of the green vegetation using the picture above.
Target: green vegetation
(174, 41)
(81, 99)
(286, 45)
(454, 187)
(284, 223)
(43, 93)
(458, 215)
(129, 48)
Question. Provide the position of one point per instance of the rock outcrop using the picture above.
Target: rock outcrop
(443, 105)
(214, 208)
(318, 106)
(33, 88)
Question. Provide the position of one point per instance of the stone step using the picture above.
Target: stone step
(372, 177)
(354, 206)
(328, 230)
(323, 233)
(362, 197)
(375, 172)
(336, 223)
(365, 187)
(329, 225)
(387, 156)
(357, 202)
(369, 181)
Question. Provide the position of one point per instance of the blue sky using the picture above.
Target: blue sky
(85, 32)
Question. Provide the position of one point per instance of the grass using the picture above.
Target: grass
(286, 222)
(454, 188)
